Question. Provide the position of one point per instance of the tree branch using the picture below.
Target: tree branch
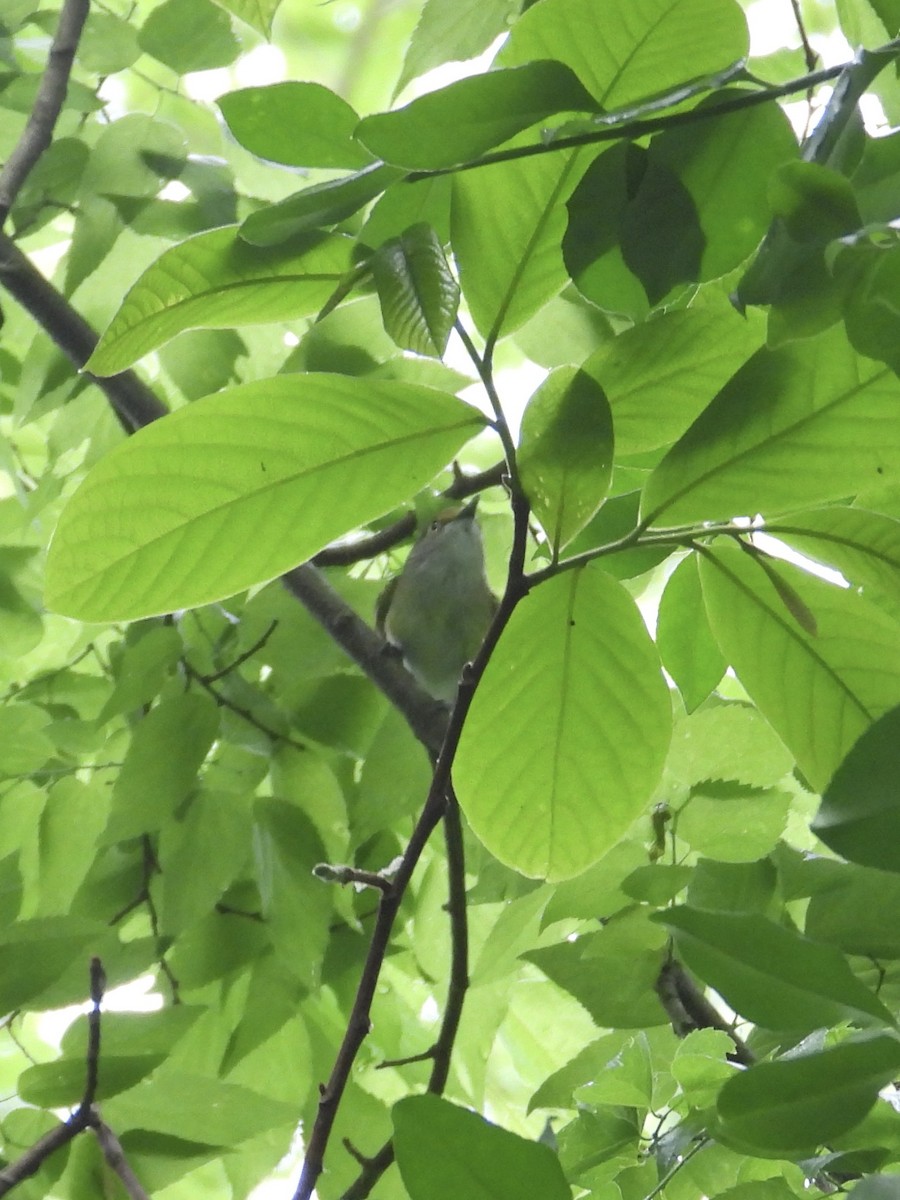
(132, 401)
(632, 130)
(38, 132)
(116, 1160)
(84, 1116)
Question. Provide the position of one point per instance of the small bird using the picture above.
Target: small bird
(437, 610)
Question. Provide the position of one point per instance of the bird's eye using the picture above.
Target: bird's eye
(435, 526)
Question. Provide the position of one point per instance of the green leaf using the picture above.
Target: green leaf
(469, 117)
(216, 280)
(633, 53)
(34, 954)
(789, 1108)
(453, 30)
(568, 730)
(418, 294)
(867, 276)
(341, 451)
(848, 911)
(818, 693)
(806, 423)
(142, 669)
(318, 206)
(769, 974)
(203, 854)
(686, 644)
(859, 817)
(444, 1152)
(24, 746)
(864, 546)
(134, 156)
(72, 820)
(298, 124)
(612, 973)
(108, 44)
(661, 374)
(61, 1084)
(733, 822)
(815, 202)
(566, 453)
(507, 221)
(197, 1109)
(189, 35)
(161, 764)
(724, 163)
(258, 14)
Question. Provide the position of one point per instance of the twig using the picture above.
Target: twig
(809, 55)
(459, 944)
(149, 867)
(116, 1160)
(338, 873)
(682, 1161)
(632, 130)
(238, 709)
(84, 1116)
(38, 132)
(242, 658)
(347, 553)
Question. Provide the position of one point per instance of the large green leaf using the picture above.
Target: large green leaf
(216, 280)
(818, 690)
(164, 523)
(568, 729)
(298, 124)
(809, 422)
(859, 817)
(769, 974)
(445, 1152)
(863, 545)
(507, 221)
(661, 374)
(189, 35)
(566, 452)
(625, 51)
(470, 116)
(789, 1108)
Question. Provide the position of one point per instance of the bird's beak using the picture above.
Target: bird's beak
(468, 513)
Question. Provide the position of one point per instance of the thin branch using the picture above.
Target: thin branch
(38, 132)
(345, 554)
(245, 714)
(242, 658)
(632, 130)
(459, 944)
(132, 401)
(84, 1116)
(682, 1161)
(809, 55)
(116, 1160)
(338, 873)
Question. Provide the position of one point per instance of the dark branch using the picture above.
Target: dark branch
(116, 1160)
(38, 132)
(84, 1116)
(132, 401)
(632, 130)
(426, 717)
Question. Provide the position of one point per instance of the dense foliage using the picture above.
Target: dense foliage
(635, 898)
